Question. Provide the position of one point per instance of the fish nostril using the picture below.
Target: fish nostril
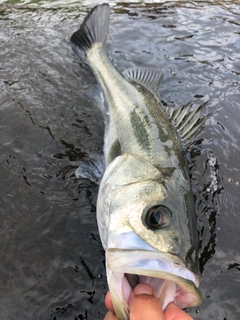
(133, 279)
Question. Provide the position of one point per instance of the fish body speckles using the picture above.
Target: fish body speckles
(145, 208)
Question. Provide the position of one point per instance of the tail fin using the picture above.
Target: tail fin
(94, 28)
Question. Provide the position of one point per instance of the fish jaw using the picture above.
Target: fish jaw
(167, 274)
(130, 186)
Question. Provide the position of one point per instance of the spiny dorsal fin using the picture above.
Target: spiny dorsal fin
(147, 77)
(188, 123)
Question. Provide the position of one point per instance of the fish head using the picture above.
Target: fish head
(146, 220)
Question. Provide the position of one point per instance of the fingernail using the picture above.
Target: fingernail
(143, 289)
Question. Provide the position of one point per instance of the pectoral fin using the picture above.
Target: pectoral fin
(92, 169)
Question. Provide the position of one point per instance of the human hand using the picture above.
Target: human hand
(144, 305)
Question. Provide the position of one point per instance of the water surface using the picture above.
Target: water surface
(52, 262)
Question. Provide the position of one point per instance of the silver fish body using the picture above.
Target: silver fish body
(145, 208)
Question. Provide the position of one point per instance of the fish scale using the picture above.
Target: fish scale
(145, 207)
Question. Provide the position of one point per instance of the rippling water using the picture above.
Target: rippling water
(52, 262)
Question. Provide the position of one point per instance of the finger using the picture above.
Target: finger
(110, 316)
(172, 312)
(143, 304)
(108, 302)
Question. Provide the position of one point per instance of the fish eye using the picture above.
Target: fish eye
(157, 216)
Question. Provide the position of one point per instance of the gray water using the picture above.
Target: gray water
(51, 259)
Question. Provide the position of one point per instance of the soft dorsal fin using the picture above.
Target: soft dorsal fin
(188, 122)
(147, 77)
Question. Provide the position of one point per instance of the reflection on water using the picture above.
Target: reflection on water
(79, 3)
(52, 262)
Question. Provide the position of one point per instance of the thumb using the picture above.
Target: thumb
(144, 305)
(172, 312)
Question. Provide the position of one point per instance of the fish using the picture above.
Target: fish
(146, 212)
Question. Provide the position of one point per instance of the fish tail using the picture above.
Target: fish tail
(94, 28)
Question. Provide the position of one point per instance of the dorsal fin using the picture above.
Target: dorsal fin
(147, 77)
(188, 123)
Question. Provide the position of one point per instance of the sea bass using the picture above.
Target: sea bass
(145, 207)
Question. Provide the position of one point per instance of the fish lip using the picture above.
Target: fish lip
(122, 261)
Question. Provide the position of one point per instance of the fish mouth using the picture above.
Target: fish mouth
(166, 273)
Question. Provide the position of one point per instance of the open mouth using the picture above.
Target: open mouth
(167, 274)
(133, 279)
(167, 291)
